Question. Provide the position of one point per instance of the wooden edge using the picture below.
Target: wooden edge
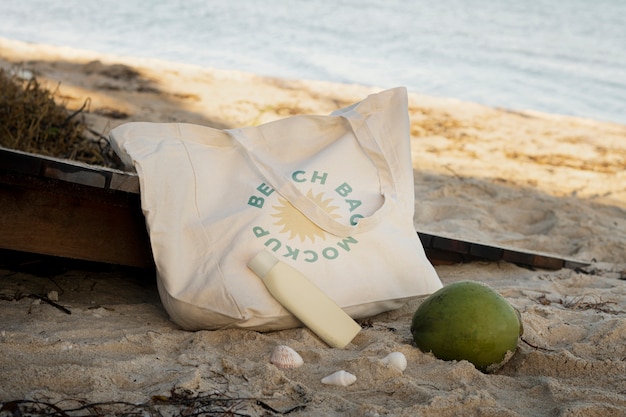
(71, 210)
(448, 250)
(64, 173)
(73, 172)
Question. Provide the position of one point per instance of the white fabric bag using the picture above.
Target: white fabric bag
(332, 196)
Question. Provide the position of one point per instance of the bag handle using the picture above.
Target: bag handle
(283, 186)
(384, 161)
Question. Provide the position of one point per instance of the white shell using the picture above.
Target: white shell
(285, 357)
(396, 360)
(340, 378)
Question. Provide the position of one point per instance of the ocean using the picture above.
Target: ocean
(566, 57)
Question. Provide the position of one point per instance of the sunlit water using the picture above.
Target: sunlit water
(565, 57)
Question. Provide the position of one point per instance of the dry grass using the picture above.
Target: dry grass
(33, 120)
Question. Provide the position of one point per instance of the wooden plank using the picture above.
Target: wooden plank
(440, 249)
(68, 218)
(64, 208)
(73, 172)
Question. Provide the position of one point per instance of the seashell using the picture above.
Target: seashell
(285, 357)
(340, 378)
(396, 360)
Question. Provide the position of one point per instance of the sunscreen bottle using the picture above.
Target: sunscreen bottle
(305, 300)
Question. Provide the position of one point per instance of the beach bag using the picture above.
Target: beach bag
(332, 196)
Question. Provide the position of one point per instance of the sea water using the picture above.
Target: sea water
(566, 57)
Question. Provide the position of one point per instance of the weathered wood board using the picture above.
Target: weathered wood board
(64, 208)
(72, 210)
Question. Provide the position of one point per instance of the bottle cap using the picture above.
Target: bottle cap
(262, 263)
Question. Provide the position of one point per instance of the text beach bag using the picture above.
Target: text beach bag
(332, 196)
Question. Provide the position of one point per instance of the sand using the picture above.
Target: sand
(522, 179)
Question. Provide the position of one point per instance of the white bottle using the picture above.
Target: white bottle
(305, 300)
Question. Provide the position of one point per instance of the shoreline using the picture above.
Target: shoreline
(526, 180)
(23, 49)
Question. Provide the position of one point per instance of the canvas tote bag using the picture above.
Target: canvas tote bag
(332, 196)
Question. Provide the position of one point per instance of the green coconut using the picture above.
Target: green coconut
(468, 320)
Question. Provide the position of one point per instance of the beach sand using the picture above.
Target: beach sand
(522, 179)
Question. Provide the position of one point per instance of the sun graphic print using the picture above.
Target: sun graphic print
(297, 224)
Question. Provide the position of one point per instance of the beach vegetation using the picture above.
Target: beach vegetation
(35, 119)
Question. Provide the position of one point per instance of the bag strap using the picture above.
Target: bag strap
(308, 207)
(383, 159)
